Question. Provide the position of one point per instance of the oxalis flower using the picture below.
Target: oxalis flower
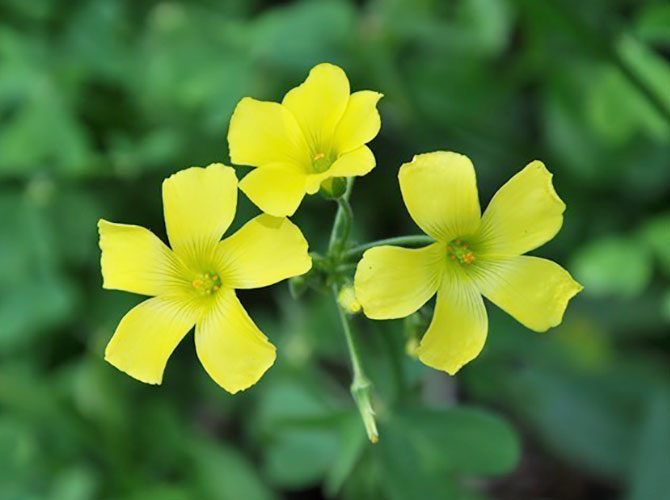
(195, 282)
(317, 133)
(473, 256)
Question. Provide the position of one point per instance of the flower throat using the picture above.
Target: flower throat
(459, 250)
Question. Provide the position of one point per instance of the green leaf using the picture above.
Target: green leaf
(656, 233)
(422, 451)
(302, 33)
(460, 439)
(613, 265)
(300, 458)
(223, 473)
(404, 473)
(649, 478)
(654, 71)
(652, 23)
(353, 442)
(303, 434)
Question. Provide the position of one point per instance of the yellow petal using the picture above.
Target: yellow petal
(534, 291)
(231, 348)
(319, 103)
(440, 192)
(457, 333)
(357, 162)
(135, 260)
(360, 123)
(393, 282)
(262, 132)
(264, 251)
(199, 205)
(276, 189)
(524, 214)
(147, 335)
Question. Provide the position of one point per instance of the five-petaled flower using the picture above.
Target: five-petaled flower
(318, 132)
(473, 255)
(195, 282)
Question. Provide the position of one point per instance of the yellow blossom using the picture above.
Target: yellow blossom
(473, 255)
(193, 284)
(318, 132)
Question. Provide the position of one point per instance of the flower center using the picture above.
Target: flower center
(459, 250)
(207, 283)
(321, 162)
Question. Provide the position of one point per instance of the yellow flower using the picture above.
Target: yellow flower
(473, 255)
(319, 131)
(195, 282)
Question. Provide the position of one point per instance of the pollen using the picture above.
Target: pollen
(206, 283)
(459, 250)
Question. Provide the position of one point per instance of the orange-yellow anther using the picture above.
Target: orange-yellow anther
(206, 283)
(459, 250)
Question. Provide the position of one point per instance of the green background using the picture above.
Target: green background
(101, 99)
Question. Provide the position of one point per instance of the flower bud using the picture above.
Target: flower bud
(334, 187)
(347, 300)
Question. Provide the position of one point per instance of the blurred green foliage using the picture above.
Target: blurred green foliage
(101, 99)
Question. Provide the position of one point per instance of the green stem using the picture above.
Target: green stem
(417, 240)
(361, 385)
(339, 236)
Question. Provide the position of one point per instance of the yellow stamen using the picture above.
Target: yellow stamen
(206, 283)
(459, 250)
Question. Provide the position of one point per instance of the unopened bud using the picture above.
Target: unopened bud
(347, 300)
(333, 187)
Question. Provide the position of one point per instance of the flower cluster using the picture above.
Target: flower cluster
(314, 138)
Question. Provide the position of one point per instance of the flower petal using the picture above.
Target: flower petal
(393, 282)
(534, 291)
(357, 162)
(147, 335)
(440, 192)
(524, 214)
(457, 333)
(360, 123)
(276, 189)
(264, 251)
(199, 205)
(262, 132)
(319, 103)
(231, 348)
(135, 260)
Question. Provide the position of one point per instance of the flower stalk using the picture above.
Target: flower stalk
(409, 241)
(361, 386)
